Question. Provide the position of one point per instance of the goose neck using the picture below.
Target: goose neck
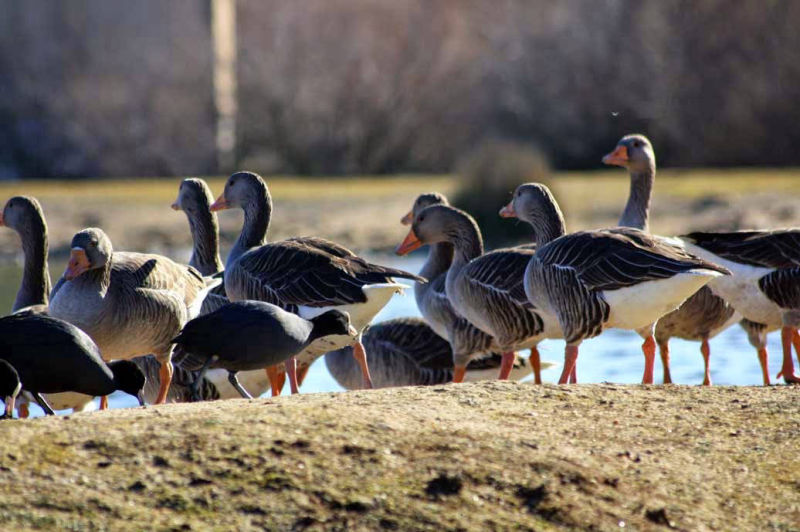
(637, 210)
(35, 285)
(257, 214)
(205, 238)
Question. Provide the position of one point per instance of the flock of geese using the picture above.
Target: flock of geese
(168, 332)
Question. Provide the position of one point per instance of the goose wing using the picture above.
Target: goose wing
(155, 272)
(769, 249)
(499, 275)
(413, 339)
(298, 273)
(610, 259)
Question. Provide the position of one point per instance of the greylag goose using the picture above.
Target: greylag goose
(195, 199)
(24, 215)
(54, 356)
(407, 352)
(765, 285)
(130, 304)
(180, 387)
(703, 315)
(487, 290)
(10, 387)
(467, 341)
(249, 335)
(591, 280)
(303, 275)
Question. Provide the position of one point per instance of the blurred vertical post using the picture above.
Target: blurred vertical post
(223, 28)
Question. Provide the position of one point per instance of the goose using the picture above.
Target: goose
(130, 304)
(703, 315)
(25, 216)
(408, 352)
(249, 335)
(467, 341)
(764, 287)
(54, 356)
(304, 275)
(195, 199)
(590, 280)
(10, 387)
(486, 289)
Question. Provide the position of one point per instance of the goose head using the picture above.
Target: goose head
(439, 223)
(20, 212)
(535, 204)
(634, 152)
(91, 249)
(193, 196)
(128, 378)
(241, 189)
(333, 322)
(9, 386)
(423, 201)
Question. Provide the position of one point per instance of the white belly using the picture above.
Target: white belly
(638, 306)
(254, 381)
(741, 289)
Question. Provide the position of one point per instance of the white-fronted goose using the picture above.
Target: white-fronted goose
(303, 275)
(195, 199)
(765, 285)
(10, 387)
(703, 315)
(24, 215)
(54, 356)
(591, 280)
(407, 352)
(249, 335)
(467, 341)
(487, 290)
(131, 304)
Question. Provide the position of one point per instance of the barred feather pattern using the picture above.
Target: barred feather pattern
(782, 287)
(768, 249)
(182, 379)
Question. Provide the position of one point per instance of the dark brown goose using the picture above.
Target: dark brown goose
(407, 352)
(486, 289)
(131, 304)
(24, 215)
(764, 287)
(591, 280)
(467, 341)
(307, 276)
(54, 356)
(195, 199)
(703, 315)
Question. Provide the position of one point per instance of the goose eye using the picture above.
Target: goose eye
(637, 144)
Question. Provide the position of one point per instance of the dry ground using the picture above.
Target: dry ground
(495, 455)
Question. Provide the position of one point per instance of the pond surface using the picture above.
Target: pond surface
(614, 356)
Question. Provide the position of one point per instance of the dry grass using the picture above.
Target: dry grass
(474, 457)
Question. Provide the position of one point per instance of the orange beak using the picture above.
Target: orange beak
(458, 374)
(409, 244)
(618, 157)
(78, 263)
(408, 219)
(175, 206)
(508, 211)
(220, 204)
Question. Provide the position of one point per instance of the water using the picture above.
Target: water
(614, 356)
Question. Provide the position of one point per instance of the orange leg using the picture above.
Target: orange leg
(506, 365)
(302, 371)
(787, 370)
(706, 351)
(291, 371)
(165, 374)
(536, 364)
(573, 375)
(663, 350)
(276, 376)
(762, 359)
(649, 350)
(104, 402)
(23, 411)
(361, 357)
(570, 359)
(458, 373)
